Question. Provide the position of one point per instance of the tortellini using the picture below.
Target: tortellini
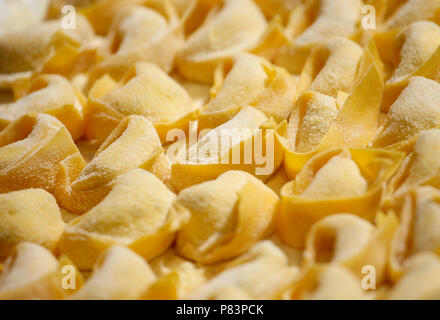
(46, 47)
(420, 280)
(31, 272)
(219, 149)
(228, 147)
(252, 81)
(137, 34)
(332, 182)
(146, 91)
(31, 149)
(315, 22)
(147, 224)
(242, 279)
(228, 215)
(51, 94)
(119, 274)
(236, 27)
(416, 109)
(132, 144)
(29, 215)
(352, 242)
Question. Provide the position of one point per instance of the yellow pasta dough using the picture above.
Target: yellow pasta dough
(119, 274)
(31, 149)
(227, 147)
(51, 94)
(333, 182)
(415, 109)
(132, 144)
(137, 34)
(252, 81)
(29, 215)
(250, 276)
(147, 225)
(233, 28)
(219, 149)
(145, 91)
(228, 215)
(31, 272)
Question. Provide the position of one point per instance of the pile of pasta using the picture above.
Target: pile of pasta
(348, 90)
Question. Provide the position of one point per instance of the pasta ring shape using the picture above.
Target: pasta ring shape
(331, 67)
(31, 273)
(146, 220)
(228, 215)
(119, 274)
(51, 94)
(177, 277)
(236, 27)
(212, 162)
(334, 181)
(352, 242)
(133, 144)
(250, 276)
(252, 81)
(420, 166)
(29, 215)
(31, 149)
(54, 50)
(145, 91)
(414, 10)
(420, 279)
(354, 125)
(133, 25)
(419, 218)
(334, 18)
(328, 282)
(416, 109)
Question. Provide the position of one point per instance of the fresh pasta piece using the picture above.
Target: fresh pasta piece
(139, 34)
(328, 282)
(414, 10)
(228, 215)
(29, 215)
(119, 274)
(352, 242)
(420, 40)
(177, 277)
(310, 121)
(138, 212)
(17, 15)
(46, 47)
(419, 166)
(416, 109)
(418, 229)
(133, 144)
(31, 149)
(235, 27)
(146, 91)
(246, 142)
(271, 8)
(313, 23)
(51, 94)
(319, 122)
(252, 81)
(251, 276)
(332, 67)
(347, 180)
(31, 272)
(421, 280)
(101, 13)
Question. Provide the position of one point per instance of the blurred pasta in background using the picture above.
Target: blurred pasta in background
(132, 142)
